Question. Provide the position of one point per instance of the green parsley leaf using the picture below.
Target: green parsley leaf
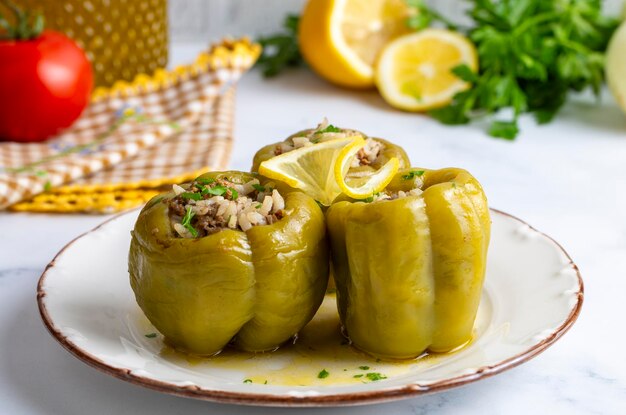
(234, 193)
(151, 335)
(191, 195)
(265, 383)
(412, 174)
(465, 73)
(247, 381)
(364, 367)
(258, 187)
(47, 186)
(218, 190)
(504, 129)
(258, 206)
(360, 375)
(186, 222)
(374, 376)
(323, 374)
(330, 129)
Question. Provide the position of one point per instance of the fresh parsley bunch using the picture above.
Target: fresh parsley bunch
(531, 54)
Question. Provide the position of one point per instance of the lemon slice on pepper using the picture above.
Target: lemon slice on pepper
(321, 170)
(312, 168)
(362, 187)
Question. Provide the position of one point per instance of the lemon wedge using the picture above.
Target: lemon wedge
(414, 71)
(312, 168)
(365, 186)
(341, 39)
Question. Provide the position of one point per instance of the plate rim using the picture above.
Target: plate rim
(330, 400)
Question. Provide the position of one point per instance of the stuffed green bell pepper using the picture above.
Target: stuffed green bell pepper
(230, 257)
(409, 263)
(375, 154)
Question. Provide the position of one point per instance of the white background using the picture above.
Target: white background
(210, 19)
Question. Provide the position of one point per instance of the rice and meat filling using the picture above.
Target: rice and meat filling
(386, 195)
(211, 205)
(416, 190)
(325, 132)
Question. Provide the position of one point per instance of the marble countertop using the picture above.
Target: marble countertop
(566, 179)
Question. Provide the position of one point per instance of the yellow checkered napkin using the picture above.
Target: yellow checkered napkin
(132, 140)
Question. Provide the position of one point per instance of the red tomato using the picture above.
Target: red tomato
(45, 83)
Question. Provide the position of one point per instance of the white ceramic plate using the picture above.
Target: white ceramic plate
(533, 294)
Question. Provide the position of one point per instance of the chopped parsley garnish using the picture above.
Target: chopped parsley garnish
(358, 376)
(151, 335)
(247, 381)
(323, 374)
(364, 367)
(259, 206)
(265, 383)
(258, 187)
(374, 376)
(47, 186)
(191, 195)
(412, 174)
(330, 129)
(205, 181)
(218, 190)
(234, 193)
(186, 222)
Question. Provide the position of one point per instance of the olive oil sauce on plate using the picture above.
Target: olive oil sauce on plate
(320, 356)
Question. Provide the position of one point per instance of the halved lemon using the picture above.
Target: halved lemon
(366, 186)
(414, 71)
(312, 168)
(341, 39)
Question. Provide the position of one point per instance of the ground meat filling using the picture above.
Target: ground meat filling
(324, 132)
(208, 206)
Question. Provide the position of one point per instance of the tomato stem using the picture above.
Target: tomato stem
(27, 25)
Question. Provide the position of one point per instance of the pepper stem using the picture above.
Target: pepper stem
(27, 25)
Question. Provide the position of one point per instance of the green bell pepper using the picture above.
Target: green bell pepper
(256, 288)
(409, 271)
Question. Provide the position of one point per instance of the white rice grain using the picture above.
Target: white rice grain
(178, 189)
(279, 202)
